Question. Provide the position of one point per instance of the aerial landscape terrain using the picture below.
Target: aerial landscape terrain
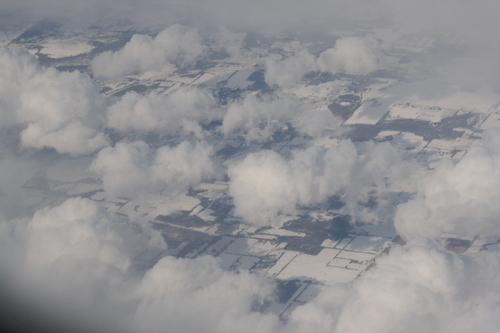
(235, 166)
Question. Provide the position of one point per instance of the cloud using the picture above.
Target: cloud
(423, 281)
(71, 261)
(177, 44)
(458, 198)
(265, 185)
(179, 112)
(58, 110)
(379, 170)
(185, 296)
(261, 188)
(420, 287)
(351, 55)
(70, 231)
(131, 169)
(259, 118)
(288, 72)
(74, 261)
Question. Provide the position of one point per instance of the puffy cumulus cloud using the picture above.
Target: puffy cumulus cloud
(319, 173)
(74, 139)
(261, 186)
(379, 167)
(130, 169)
(185, 296)
(59, 110)
(78, 232)
(73, 265)
(124, 169)
(258, 119)
(408, 291)
(180, 111)
(350, 55)
(420, 287)
(459, 198)
(71, 261)
(265, 185)
(177, 44)
(288, 72)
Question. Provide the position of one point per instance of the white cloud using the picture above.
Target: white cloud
(186, 164)
(350, 55)
(74, 139)
(180, 111)
(288, 72)
(60, 110)
(416, 288)
(124, 169)
(457, 198)
(265, 185)
(259, 118)
(78, 254)
(261, 186)
(70, 232)
(379, 165)
(319, 173)
(185, 296)
(73, 262)
(131, 169)
(178, 45)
